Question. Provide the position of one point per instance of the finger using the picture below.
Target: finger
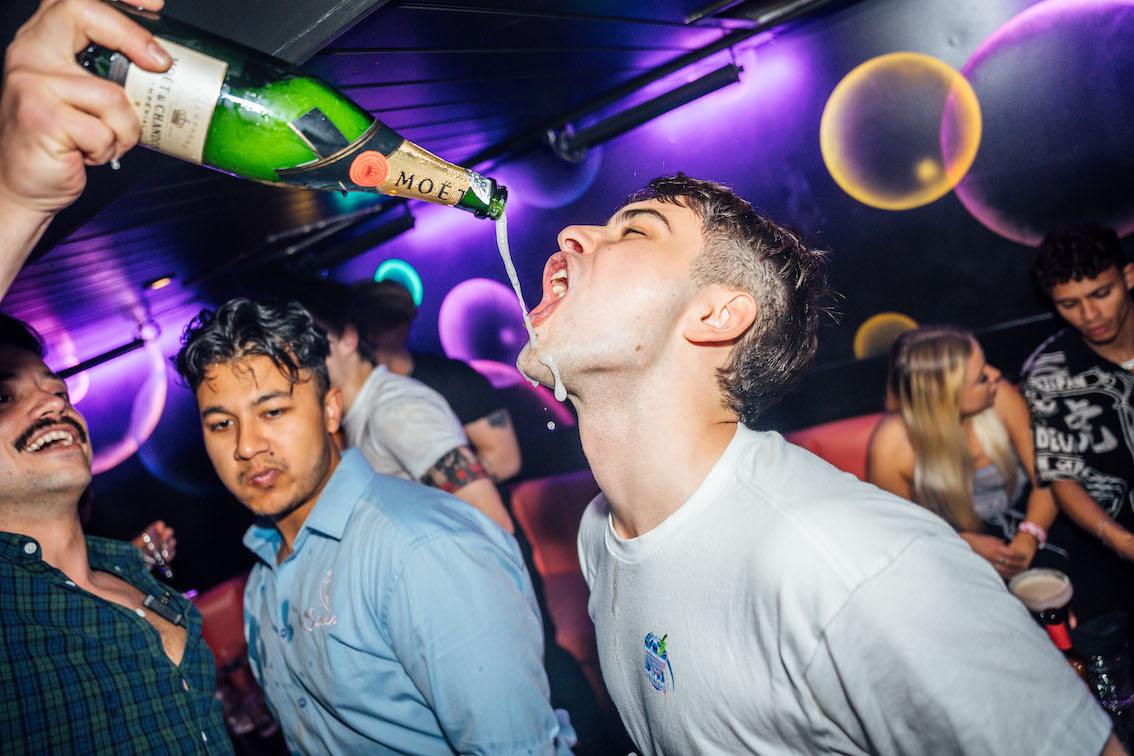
(82, 22)
(106, 127)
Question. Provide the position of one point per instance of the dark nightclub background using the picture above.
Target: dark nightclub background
(927, 188)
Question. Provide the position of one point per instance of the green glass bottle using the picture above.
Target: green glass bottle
(252, 115)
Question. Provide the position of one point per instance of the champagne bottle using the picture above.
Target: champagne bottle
(252, 115)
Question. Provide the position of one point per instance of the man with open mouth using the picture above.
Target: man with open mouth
(747, 596)
(95, 654)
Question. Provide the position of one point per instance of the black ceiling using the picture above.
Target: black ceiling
(473, 81)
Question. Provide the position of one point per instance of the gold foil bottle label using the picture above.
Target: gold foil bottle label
(176, 107)
(419, 174)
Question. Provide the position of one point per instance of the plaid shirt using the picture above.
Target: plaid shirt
(82, 675)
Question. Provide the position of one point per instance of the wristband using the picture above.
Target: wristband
(1029, 527)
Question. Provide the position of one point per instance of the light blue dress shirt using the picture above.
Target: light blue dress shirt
(402, 621)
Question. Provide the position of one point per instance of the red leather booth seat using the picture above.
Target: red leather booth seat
(549, 510)
(222, 616)
(841, 442)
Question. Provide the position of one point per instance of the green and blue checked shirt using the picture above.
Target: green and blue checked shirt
(82, 675)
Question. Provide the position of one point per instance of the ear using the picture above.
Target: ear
(348, 339)
(1128, 275)
(332, 409)
(720, 315)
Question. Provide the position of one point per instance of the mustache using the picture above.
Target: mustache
(47, 422)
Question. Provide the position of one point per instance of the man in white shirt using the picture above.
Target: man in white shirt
(748, 597)
(403, 427)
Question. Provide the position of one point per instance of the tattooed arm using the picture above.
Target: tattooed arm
(496, 444)
(460, 473)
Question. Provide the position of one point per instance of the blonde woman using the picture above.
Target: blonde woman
(957, 440)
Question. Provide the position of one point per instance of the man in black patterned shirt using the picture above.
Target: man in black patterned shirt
(95, 654)
(1080, 390)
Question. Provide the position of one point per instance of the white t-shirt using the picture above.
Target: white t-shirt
(787, 607)
(402, 426)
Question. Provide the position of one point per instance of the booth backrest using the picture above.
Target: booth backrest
(222, 616)
(841, 442)
(549, 510)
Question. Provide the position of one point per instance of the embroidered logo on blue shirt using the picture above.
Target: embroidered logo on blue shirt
(316, 617)
(658, 669)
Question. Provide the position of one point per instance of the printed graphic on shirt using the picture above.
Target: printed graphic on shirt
(320, 616)
(1083, 424)
(658, 669)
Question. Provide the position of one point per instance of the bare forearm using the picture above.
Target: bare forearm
(461, 473)
(1113, 747)
(1077, 504)
(19, 232)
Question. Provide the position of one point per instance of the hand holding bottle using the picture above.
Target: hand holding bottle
(55, 119)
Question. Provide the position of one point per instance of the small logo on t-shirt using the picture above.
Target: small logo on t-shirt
(658, 669)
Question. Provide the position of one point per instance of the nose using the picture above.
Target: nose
(48, 403)
(1090, 310)
(249, 442)
(578, 239)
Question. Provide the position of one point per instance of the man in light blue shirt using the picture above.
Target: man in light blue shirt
(383, 616)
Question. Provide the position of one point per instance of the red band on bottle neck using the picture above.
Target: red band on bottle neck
(1059, 635)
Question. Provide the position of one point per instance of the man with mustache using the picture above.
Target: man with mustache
(95, 654)
(382, 616)
(747, 596)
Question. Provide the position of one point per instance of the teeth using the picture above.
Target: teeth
(559, 283)
(47, 438)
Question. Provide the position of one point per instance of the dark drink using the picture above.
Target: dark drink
(1047, 595)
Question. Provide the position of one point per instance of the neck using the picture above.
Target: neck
(396, 359)
(59, 534)
(290, 523)
(359, 371)
(651, 444)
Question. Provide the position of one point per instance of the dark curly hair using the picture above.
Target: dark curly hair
(745, 250)
(283, 332)
(17, 333)
(1075, 252)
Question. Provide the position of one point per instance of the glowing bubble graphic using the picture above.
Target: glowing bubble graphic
(1055, 86)
(176, 458)
(480, 320)
(541, 179)
(878, 332)
(900, 130)
(402, 272)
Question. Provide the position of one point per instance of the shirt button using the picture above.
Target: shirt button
(204, 737)
(69, 583)
(30, 547)
(302, 702)
(283, 632)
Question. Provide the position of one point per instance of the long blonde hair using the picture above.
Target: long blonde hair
(925, 383)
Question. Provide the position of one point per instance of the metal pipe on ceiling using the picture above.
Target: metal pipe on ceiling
(538, 133)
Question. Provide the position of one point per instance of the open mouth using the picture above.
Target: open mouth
(555, 285)
(50, 433)
(50, 439)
